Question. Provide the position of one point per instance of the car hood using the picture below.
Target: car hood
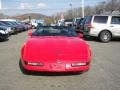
(51, 49)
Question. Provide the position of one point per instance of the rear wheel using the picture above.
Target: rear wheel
(105, 36)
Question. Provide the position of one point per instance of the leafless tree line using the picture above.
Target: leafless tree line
(104, 7)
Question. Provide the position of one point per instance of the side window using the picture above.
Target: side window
(100, 19)
(115, 20)
(83, 21)
(88, 19)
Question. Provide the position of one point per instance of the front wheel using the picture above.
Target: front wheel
(105, 36)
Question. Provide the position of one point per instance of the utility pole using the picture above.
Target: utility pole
(71, 10)
(0, 4)
(83, 13)
(112, 9)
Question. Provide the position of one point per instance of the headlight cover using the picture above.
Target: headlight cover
(80, 64)
(2, 32)
(34, 63)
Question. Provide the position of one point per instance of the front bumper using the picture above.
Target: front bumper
(4, 36)
(53, 67)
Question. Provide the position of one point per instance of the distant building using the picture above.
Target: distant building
(8, 20)
(35, 22)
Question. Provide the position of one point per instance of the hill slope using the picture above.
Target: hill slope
(31, 15)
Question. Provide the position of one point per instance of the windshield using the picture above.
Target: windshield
(1, 23)
(55, 31)
(68, 20)
(12, 22)
(6, 22)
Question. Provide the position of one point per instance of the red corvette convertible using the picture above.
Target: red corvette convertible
(55, 49)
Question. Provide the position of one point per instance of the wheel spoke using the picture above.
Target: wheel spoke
(105, 36)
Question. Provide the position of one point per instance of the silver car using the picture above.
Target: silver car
(105, 27)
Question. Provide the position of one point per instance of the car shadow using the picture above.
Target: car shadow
(46, 73)
(97, 40)
(4, 40)
(115, 40)
(90, 39)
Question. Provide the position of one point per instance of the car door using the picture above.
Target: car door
(115, 25)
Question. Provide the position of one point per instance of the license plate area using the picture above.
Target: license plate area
(57, 67)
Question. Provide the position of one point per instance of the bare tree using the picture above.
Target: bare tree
(112, 5)
(104, 7)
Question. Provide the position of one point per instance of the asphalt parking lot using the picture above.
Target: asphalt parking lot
(103, 75)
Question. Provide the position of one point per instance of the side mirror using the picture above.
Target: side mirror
(80, 35)
(30, 33)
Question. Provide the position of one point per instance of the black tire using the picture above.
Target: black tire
(88, 38)
(105, 36)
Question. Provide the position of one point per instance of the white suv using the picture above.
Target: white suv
(105, 27)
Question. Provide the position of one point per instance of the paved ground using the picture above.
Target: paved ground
(104, 73)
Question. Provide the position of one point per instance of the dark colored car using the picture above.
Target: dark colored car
(28, 25)
(24, 27)
(76, 20)
(77, 27)
(18, 27)
(81, 25)
(3, 33)
(8, 25)
(39, 25)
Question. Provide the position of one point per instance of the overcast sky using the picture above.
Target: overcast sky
(47, 7)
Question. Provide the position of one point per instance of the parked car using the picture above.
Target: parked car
(39, 25)
(55, 49)
(34, 22)
(68, 22)
(28, 25)
(60, 22)
(11, 28)
(78, 25)
(76, 20)
(105, 27)
(3, 33)
(81, 25)
(18, 27)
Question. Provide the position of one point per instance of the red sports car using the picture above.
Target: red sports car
(55, 49)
